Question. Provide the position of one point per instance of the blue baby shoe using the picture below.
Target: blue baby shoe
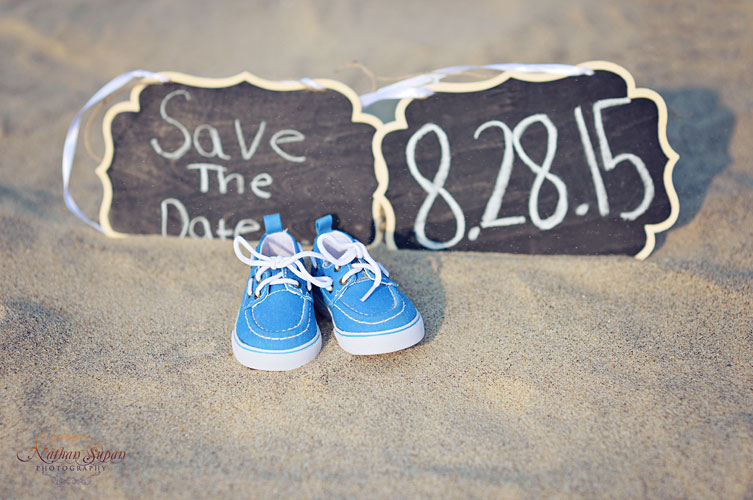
(369, 312)
(276, 327)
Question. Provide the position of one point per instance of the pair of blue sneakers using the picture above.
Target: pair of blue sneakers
(276, 327)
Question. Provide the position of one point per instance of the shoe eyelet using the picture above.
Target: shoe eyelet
(257, 279)
(331, 289)
(297, 285)
(337, 269)
(257, 295)
(342, 282)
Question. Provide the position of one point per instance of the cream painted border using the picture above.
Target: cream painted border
(132, 105)
(400, 123)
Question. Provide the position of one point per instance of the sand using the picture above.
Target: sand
(539, 377)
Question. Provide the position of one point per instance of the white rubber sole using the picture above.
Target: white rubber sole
(276, 361)
(384, 341)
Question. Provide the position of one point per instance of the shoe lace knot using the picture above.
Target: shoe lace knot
(263, 263)
(357, 255)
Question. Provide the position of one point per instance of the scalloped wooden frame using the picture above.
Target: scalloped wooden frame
(400, 123)
(132, 105)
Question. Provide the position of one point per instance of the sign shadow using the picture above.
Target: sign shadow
(699, 128)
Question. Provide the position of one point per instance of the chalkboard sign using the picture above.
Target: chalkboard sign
(530, 163)
(210, 157)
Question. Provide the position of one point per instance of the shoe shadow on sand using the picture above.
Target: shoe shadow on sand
(418, 275)
(699, 128)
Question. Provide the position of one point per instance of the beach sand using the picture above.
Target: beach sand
(540, 377)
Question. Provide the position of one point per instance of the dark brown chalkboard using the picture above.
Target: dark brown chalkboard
(210, 157)
(579, 165)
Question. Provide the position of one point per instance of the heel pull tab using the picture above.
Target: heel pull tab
(324, 224)
(272, 223)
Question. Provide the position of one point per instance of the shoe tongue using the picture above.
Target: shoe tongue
(279, 244)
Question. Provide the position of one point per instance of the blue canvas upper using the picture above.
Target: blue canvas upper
(278, 316)
(385, 309)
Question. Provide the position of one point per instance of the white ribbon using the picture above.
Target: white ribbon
(308, 82)
(412, 87)
(69, 150)
(71, 139)
(415, 87)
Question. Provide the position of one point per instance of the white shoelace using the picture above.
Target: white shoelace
(294, 264)
(354, 251)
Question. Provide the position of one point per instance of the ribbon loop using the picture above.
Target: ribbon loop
(415, 87)
(71, 138)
